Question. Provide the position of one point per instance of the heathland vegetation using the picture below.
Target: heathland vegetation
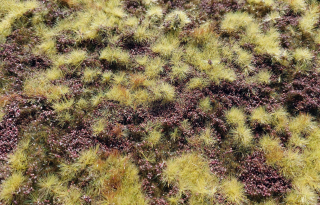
(159, 102)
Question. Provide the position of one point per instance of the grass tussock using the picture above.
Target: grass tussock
(260, 115)
(235, 116)
(11, 186)
(39, 85)
(233, 190)
(190, 172)
(233, 22)
(11, 13)
(113, 180)
(165, 45)
(242, 135)
(115, 55)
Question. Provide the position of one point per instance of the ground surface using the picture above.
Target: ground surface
(159, 102)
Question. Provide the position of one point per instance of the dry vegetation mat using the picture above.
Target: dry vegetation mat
(160, 102)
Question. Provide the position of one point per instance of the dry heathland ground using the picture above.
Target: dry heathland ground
(125, 102)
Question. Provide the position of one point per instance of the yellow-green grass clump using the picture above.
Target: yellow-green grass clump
(54, 74)
(88, 157)
(18, 160)
(113, 179)
(48, 185)
(317, 36)
(280, 119)
(297, 5)
(164, 92)
(137, 80)
(309, 19)
(143, 34)
(203, 33)
(266, 3)
(309, 176)
(154, 67)
(303, 58)
(141, 97)
(82, 104)
(154, 13)
(177, 19)
(120, 78)
(260, 115)
(314, 139)
(119, 93)
(252, 32)
(154, 137)
(272, 47)
(69, 195)
(48, 47)
(179, 71)
(302, 195)
(269, 202)
(235, 21)
(39, 85)
(302, 55)
(106, 76)
(235, 117)
(190, 172)
(272, 148)
(10, 186)
(292, 163)
(90, 75)
(131, 22)
(197, 83)
(142, 60)
(87, 21)
(165, 45)
(120, 168)
(263, 77)
(175, 134)
(219, 73)
(2, 114)
(242, 135)
(14, 10)
(273, 16)
(99, 126)
(64, 117)
(136, 55)
(297, 141)
(97, 99)
(63, 105)
(206, 137)
(233, 190)
(115, 55)
(244, 58)
(205, 104)
(73, 58)
(302, 124)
